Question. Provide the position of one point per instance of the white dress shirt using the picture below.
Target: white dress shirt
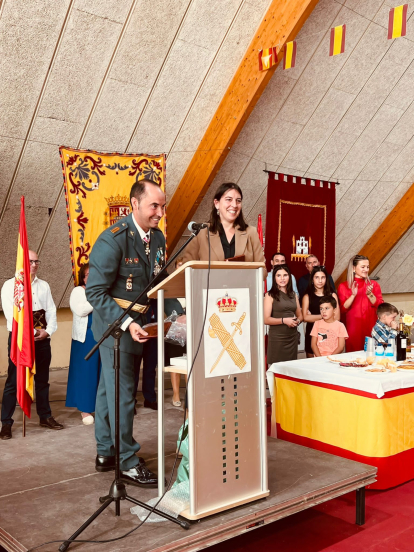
(81, 308)
(41, 300)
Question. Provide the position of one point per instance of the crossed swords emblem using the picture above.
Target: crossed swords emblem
(217, 329)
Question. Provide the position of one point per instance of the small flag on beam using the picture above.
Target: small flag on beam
(397, 22)
(267, 58)
(337, 44)
(289, 59)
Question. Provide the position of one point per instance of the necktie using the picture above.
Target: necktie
(146, 242)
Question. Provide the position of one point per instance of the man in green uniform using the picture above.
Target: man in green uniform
(123, 261)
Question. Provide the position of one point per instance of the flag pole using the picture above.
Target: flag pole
(24, 424)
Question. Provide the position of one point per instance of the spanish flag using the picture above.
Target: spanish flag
(22, 350)
(397, 22)
(289, 58)
(337, 44)
(267, 58)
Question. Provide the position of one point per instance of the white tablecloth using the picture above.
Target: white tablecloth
(321, 370)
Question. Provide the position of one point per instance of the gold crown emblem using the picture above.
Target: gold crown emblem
(226, 304)
(117, 200)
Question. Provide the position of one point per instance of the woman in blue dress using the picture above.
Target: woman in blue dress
(83, 376)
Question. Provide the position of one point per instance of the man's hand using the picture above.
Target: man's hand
(137, 333)
(41, 335)
(394, 325)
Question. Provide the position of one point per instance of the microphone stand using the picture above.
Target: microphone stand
(117, 491)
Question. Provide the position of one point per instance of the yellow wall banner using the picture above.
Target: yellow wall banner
(97, 187)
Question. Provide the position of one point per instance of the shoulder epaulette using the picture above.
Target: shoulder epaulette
(118, 228)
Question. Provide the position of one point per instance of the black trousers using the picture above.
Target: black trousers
(43, 355)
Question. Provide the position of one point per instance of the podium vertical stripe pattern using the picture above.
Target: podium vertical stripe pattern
(397, 22)
(289, 59)
(337, 43)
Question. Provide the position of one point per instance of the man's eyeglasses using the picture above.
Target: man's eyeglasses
(34, 262)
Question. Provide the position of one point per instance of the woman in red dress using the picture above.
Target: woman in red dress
(359, 299)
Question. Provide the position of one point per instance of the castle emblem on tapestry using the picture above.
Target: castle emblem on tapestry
(97, 187)
(301, 248)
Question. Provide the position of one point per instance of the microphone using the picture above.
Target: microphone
(196, 227)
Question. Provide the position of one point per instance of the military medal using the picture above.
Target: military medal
(146, 242)
(129, 283)
(136, 261)
(159, 261)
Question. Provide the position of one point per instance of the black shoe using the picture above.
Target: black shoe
(141, 476)
(6, 432)
(51, 423)
(151, 404)
(104, 463)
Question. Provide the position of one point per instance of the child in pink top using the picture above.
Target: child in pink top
(328, 334)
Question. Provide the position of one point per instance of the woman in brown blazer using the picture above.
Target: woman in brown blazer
(230, 235)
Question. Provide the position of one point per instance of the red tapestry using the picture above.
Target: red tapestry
(300, 220)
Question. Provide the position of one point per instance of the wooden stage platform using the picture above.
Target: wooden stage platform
(48, 488)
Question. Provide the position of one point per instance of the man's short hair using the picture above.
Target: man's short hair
(139, 189)
(328, 299)
(311, 255)
(386, 308)
(278, 253)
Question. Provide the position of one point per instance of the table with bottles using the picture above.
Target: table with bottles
(362, 416)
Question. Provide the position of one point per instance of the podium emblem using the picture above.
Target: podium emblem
(227, 337)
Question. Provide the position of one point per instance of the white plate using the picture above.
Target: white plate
(352, 367)
(407, 371)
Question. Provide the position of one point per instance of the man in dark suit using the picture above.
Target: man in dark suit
(311, 262)
(123, 260)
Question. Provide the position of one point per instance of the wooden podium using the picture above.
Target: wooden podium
(226, 391)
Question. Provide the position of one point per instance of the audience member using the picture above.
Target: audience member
(83, 378)
(386, 326)
(283, 314)
(45, 324)
(311, 262)
(359, 299)
(319, 286)
(328, 334)
(279, 259)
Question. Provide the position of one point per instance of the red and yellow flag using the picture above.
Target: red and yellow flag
(267, 58)
(289, 58)
(337, 44)
(397, 22)
(22, 350)
(260, 232)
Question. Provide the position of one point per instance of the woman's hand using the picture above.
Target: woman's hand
(369, 289)
(291, 322)
(354, 289)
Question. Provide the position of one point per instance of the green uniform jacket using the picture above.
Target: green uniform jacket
(119, 255)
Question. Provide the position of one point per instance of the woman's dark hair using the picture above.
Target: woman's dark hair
(81, 275)
(274, 290)
(327, 290)
(215, 223)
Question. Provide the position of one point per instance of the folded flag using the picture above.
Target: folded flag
(289, 59)
(337, 44)
(267, 58)
(397, 22)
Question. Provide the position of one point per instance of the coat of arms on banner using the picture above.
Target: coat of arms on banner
(227, 332)
(97, 188)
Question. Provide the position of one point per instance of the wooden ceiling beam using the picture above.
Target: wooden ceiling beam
(392, 229)
(281, 24)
